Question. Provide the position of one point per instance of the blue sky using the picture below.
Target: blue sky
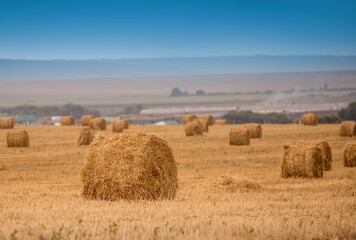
(61, 29)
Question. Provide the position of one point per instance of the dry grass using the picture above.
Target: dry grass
(41, 190)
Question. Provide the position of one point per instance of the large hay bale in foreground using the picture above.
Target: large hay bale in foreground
(67, 121)
(119, 125)
(326, 154)
(347, 129)
(188, 118)
(204, 124)
(220, 122)
(86, 136)
(310, 119)
(6, 123)
(207, 117)
(239, 136)
(17, 138)
(350, 155)
(86, 119)
(254, 130)
(193, 128)
(303, 159)
(98, 124)
(130, 166)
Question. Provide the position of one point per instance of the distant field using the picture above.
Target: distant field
(40, 190)
(109, 95)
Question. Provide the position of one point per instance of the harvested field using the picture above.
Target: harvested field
(225, 192)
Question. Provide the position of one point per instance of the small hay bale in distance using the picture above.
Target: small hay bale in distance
(239, 136)
(309, 119)
(350, 155)
(86, 136)
(193, 128)
(188, 118)
(129, 166)
(98, 124)
(67, 121)
(17, 138)
(348, 129)
(220, 122)
(254, 130)
(204, 124)
(86, 119)
(207, 117)
(6, 123)
(302, 159)
(119, 125)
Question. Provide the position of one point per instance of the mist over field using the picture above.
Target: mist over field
(64, 69)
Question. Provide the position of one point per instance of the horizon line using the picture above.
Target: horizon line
(178, 57)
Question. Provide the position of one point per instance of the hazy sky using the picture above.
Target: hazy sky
(49, 29)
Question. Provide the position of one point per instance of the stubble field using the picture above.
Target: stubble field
(225, 192)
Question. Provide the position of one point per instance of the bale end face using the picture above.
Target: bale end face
(208, 118)
(98, 124)
(67, 121)
(239, 137)
(86, 136)
(129, 166)
(347, 129)
(205, 125)
(86, 119)
(18, 138)
(326, 154)
(350, 155)
(193, 128)
(254, 129)
(118, 126)
(309, 119)
(6, 123)
(302, 159)
(188, 118)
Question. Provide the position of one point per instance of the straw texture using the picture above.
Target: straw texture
(130, 166)
(193, 128)
(303, 159)
(86, 136)
(86, 119)
(97, 124)
(350, 155)
(6, 123)
(17, 138)
(239, 136)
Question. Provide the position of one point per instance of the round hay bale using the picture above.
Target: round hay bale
(254, 130)
(309, 119)
(119, 125)
(188, 118)
(326, 154)
(303, 159)
(17, 138)
(86, 119)
(347, 129)
(193, 128)
(350, 155)
(67, 121)
(6, 123)
(130, 166)
(239, 136)
(220, 122)
(209, 118)
(98, 124)
(204, 124)
(86, 136)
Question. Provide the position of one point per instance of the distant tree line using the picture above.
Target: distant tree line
(345, 114)
(234, 117)
(74, 110)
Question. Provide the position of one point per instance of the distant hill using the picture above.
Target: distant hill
(69, 69)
